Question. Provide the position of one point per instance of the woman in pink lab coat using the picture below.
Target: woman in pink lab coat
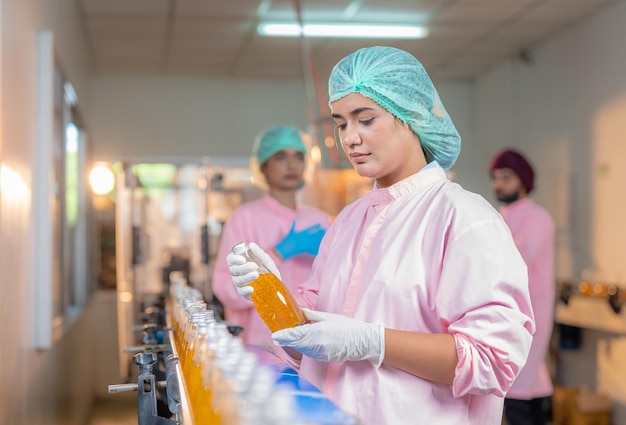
(421, 306)
(284, 227)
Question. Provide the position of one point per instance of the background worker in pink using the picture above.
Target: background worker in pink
(290, 231)
(528, 401)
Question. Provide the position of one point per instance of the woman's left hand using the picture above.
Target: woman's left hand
(333, 337)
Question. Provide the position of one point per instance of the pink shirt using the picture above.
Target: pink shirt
(265, 222)
(424, 255)
(533, 233)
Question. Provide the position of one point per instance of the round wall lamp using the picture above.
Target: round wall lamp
(101, 179)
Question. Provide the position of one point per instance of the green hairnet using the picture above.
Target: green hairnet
(276, 139)
(398, 82)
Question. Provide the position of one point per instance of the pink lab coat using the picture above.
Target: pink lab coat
(265, 222)
(533, 233)
(424, 255)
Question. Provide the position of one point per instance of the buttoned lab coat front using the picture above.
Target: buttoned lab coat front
(265, 222)
(424, 255)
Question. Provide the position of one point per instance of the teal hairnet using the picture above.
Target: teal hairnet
(276, 139)
(398, 82)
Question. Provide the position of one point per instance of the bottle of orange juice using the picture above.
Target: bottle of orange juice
(271, 298)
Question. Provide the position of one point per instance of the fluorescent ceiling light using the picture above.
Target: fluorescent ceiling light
(286, 29)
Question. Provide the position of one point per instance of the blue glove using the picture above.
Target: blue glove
(306, 241)
(333, 337)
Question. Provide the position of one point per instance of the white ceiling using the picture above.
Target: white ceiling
(218, 38)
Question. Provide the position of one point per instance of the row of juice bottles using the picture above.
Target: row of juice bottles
(223, 383)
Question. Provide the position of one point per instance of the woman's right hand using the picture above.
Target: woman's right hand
(245, 272)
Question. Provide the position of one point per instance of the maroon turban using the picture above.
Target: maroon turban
(516, 162)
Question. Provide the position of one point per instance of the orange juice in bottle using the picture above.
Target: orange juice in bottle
(203, 401)
(271, 298)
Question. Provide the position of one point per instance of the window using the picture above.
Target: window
(59, 207)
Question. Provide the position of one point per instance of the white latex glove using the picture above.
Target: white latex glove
(336, 338)
(245, 272)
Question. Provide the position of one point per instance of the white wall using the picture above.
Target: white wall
(563, 109)
(51, 386)
(144, 117)
(188, 117)
(566, 109)
(459, 99)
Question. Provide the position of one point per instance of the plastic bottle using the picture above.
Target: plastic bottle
(225, 397)
(203, 409)
(191, 369)
(183, 313)
(271, 298)
(189, 332)
(253, 402)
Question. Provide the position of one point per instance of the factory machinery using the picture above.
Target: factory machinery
(185, 362)
(194, 370)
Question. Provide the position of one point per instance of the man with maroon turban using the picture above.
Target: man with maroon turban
(512, 179)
